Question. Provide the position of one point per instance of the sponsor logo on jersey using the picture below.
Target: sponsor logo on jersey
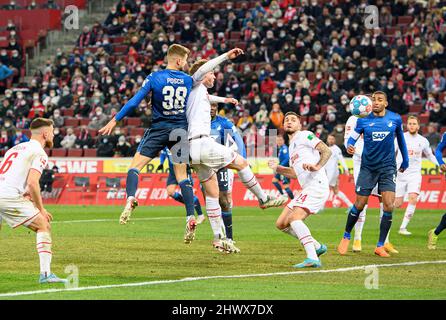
(372, 124)
(310, 136)
(390, 124)
(379, 135)
(175, 81)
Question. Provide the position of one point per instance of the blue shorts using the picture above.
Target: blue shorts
(385, 178)
(223, 179)
(156, 139)
(171, 179)
(282, 178)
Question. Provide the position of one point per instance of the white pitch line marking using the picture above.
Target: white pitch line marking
(149, 283)
(133, 219)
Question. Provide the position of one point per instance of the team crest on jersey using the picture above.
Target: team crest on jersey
(390, 124)
(379, 135)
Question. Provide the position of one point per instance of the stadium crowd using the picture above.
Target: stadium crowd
(304, 56)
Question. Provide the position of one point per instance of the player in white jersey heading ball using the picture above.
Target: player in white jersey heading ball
(20, 199)
(208, 156)
(332, 170)
(409, 182)
(308, 155)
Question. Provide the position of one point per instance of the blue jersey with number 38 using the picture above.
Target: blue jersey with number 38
(170, 90)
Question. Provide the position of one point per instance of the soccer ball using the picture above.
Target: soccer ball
(361, 106)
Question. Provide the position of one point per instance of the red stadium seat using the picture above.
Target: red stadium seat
(91, 153)
(416, 108)
(424, 118)
(71, 122)
(75, 152)
(76, 131)
(403, 20)
(68, 112)
(120, 49)
(93, 132)
(137, 131)
(184, 6)
(59, 152)
(235, 35)
(136, 122)
(84, 122)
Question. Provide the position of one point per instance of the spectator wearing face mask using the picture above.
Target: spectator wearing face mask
(57, 138)
(105, 147)
(122, 148)
(52, 98)
(98, 119)
(84, 139)
(57, 119)
(437, 114)
(276, 116)
(66, 99)
(83, 109)
(4, 140)
(16, 138)
(134, 146)
(37, 108)
(69, 140)
(307, 107)
(436, 83)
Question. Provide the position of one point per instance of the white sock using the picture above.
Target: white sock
(341, 195)
(213, 211)
(410, 210)
(250, 182)
(305, 238)
(360, 224)
(316, 244)
(43, 240)
(381, 213)
(290, 231)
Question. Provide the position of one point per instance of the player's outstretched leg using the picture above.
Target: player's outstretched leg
(352, 218)
(250, 182)
(408, 214)
(44, 248)
(200, 216)
(131, 186)
(388, 246)
(276, 183)
(433, 234)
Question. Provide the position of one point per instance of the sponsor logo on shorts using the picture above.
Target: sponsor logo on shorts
(379, 135)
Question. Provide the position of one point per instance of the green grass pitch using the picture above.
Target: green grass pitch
(151, 248)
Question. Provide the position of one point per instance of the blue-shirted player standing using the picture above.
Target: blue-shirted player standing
(221, 129)
(284, 161)
(378, 166)
(169, 90)
(433, 234)
(172, 183)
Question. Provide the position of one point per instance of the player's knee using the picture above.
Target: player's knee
(413, 198)
(225, 203)
(239, 163)
(389, 207)
(280, 224)
(275, 180)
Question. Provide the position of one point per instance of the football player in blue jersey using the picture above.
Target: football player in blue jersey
(172, 183)
(284, 160)
(378, 166)
(433, 234)
(222, 130)
(169, 90)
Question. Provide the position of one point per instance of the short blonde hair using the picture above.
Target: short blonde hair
(177, 50)
(413, 118)
(197, 66)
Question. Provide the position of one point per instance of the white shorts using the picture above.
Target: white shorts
(333, 177)
(17, 212)
(312, 198)
(408, 183)
(230, 179)
(208, 157)
(356, 169)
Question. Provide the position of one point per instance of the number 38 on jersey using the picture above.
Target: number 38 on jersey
(174, 98)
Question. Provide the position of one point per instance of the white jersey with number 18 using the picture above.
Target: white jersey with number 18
(15, 167)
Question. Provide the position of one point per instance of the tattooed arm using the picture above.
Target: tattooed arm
(325, 153)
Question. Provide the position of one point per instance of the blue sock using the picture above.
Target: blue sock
(352, 218)
(131, 184)
(197, 206)
(278, 187)
(188, 196)
(290, 193)
(227, 219)
(441, 226)
(178, 197)
(384, 227)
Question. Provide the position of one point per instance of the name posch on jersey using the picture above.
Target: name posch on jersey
(175, 81)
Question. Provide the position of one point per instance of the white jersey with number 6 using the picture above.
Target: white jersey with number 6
(15, 167)
(315, 189)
